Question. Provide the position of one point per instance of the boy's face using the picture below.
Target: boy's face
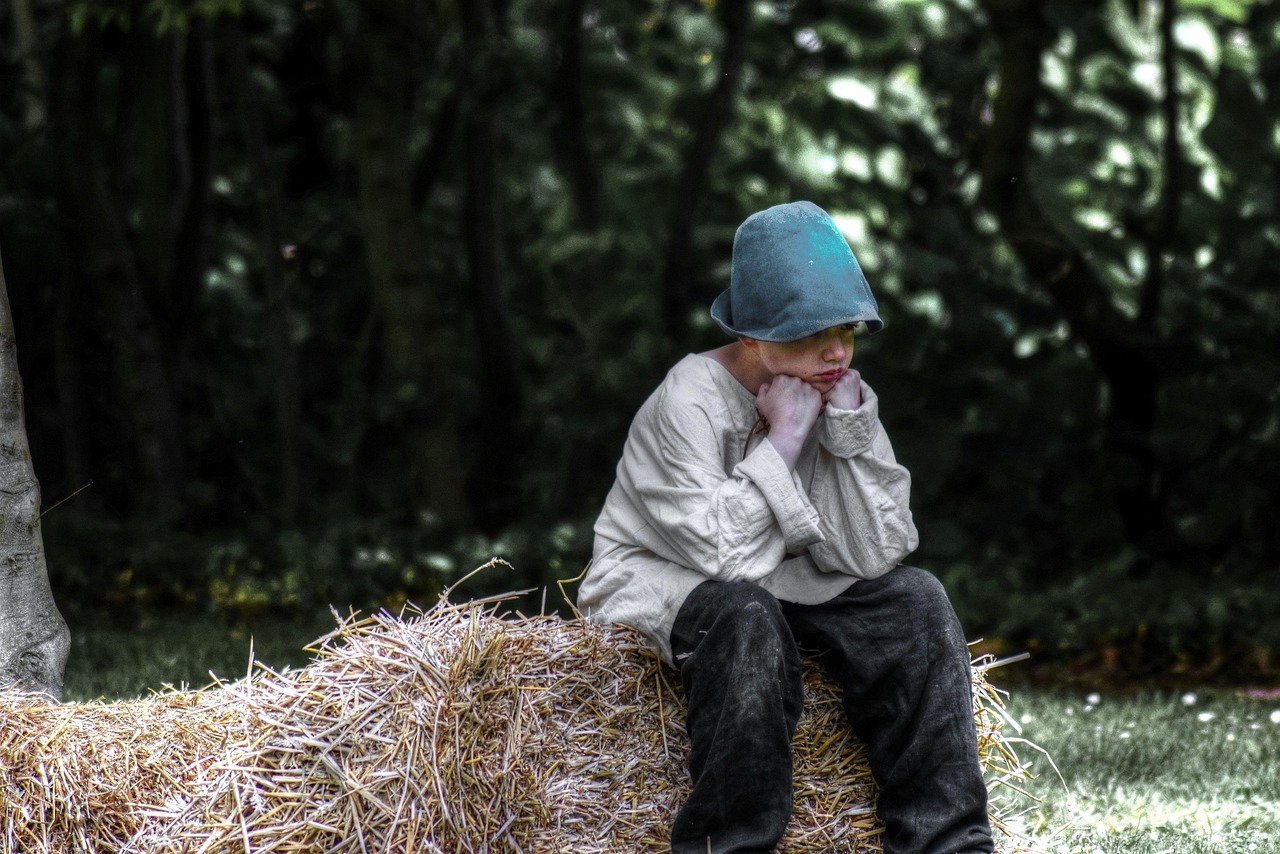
(820, 360)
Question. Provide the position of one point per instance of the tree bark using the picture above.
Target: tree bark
(677, 274)
(419, 370)
(1126, 353)
(96, 166)
(34, 640)
(33, 76)
(195, 136)
(430, 166)
(1169, 213)
(497, 466)
(68, 375)
(571, 124)
(280, 277)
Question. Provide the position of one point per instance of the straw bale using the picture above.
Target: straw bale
(454, 730)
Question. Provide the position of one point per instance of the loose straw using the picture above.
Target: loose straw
(453, 730)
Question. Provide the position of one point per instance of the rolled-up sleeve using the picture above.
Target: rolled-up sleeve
(861, 494)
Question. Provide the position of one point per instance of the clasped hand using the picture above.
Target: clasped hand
(792, 406)
(847, 392)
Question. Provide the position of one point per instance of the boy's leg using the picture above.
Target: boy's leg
(898, 652)
(742, 679)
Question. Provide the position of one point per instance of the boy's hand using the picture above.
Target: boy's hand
(847, 392)
(792, 407)
(790, 404)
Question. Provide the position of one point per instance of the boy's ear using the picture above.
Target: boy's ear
(751, 344)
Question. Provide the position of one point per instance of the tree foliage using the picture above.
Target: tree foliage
(331, 298)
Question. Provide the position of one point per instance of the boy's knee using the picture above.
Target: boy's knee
(743, 595)
(734, 599)
(923, 594)
(921, 583)
(750, 608)
(740, 614)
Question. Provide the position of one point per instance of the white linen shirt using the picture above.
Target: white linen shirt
(687, 506)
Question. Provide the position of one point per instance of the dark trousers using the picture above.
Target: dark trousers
(896, 649)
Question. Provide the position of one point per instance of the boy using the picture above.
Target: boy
(758, 506)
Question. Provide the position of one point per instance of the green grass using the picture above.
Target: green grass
(1190, 773)
(1175, 773)
(178, 650)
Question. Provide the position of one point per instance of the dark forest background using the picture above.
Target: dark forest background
(331, 301)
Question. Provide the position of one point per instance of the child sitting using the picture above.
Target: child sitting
(758, 507)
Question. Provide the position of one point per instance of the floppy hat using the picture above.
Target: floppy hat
(793, 275)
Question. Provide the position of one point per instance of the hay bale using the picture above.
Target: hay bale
(456, 730)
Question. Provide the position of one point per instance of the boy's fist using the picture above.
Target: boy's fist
(790, 404)
(847, 392)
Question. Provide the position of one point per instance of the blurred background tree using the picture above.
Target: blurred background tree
(333, 301)
(34, 639)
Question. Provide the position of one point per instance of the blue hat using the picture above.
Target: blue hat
(793, 275)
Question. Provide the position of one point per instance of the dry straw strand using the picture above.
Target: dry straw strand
(457, 729)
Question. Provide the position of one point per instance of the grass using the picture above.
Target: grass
(1195, 772)
(1159, 773)
(179, 650)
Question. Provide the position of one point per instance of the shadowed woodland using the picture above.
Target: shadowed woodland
(330, 302)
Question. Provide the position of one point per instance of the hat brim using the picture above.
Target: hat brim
(722, 314)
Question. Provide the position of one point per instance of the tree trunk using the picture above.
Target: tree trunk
(195, 136)
(431, 164)
(677, 274)
(33, 77)
(580, 282)
(571, 121)
(497, 467)
(281, 352)
(96, 163)
(68, 377)
(1126, 353)
(419, 371)
(34, 639)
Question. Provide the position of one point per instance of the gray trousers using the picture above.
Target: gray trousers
(896, 650)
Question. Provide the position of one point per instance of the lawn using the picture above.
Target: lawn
(1191, 772)
(1186, 772)
(114, 664)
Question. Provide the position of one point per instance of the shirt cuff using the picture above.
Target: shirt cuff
(783, 492)
(849, 432)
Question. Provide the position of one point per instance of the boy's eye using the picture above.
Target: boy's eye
(844, 330)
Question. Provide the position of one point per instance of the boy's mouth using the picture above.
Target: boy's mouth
(831, 375)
